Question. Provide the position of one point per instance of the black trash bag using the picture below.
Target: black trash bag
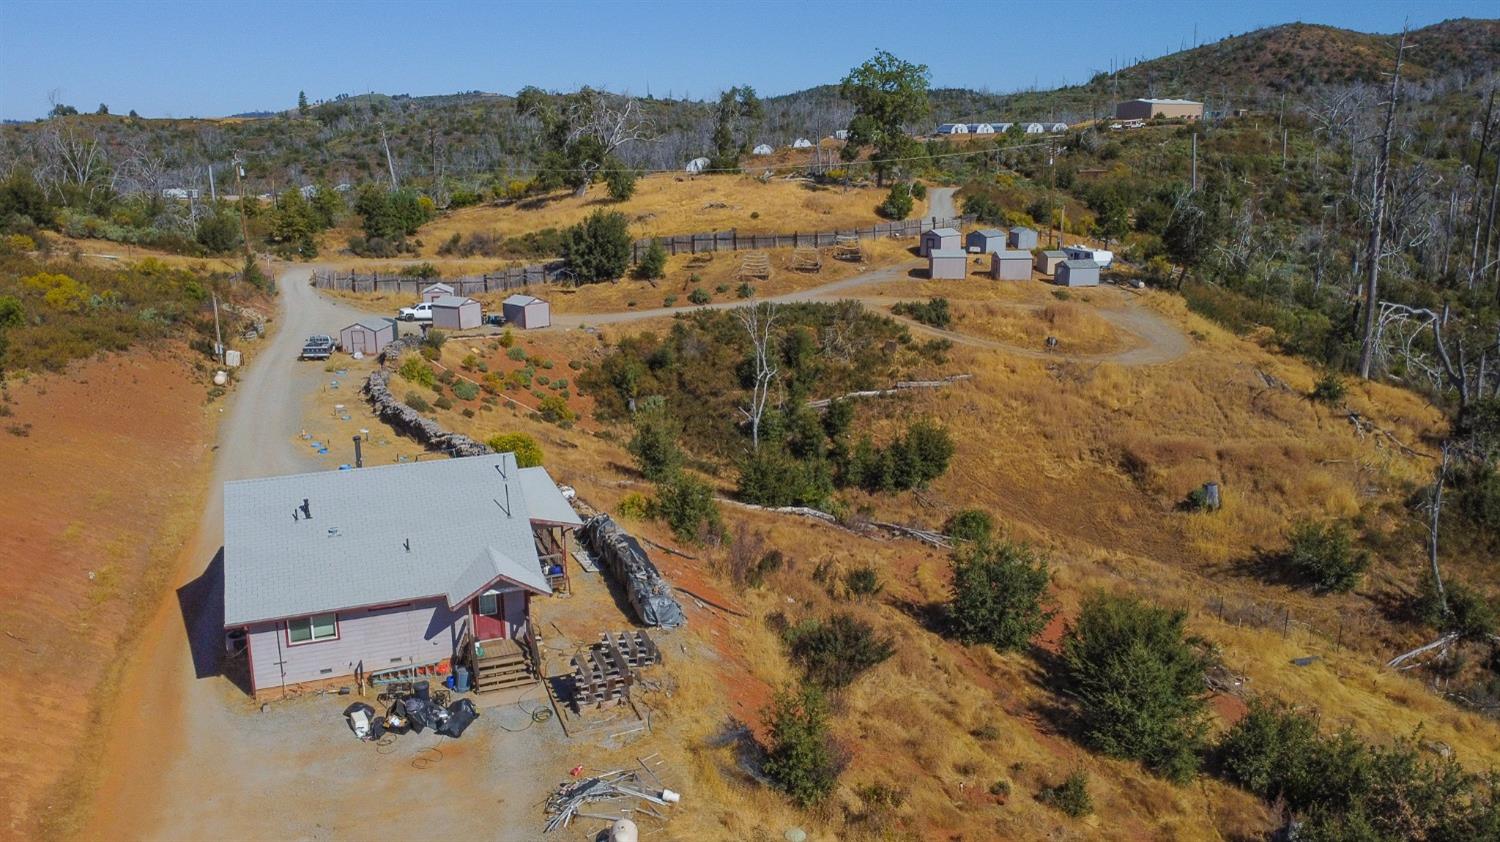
(461, 714)
(370, 718)
(396, 720)
(418, 714)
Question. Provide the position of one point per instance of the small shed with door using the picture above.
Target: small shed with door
(456, 312)
(1022, 238)
(985, 240)
(981, 128)
(435, 291)
(367, 336)
(527, 312)
(944, 239)
(1078, 273)
(1046, 261)
(1035, 128)
(1010, 265)
(947, 264)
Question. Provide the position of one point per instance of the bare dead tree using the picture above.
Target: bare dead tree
(1450, 363)
(1478, 201)
(759, 321)
(1435, 504)
(71, 156)
(1377, 218)
(611, 122)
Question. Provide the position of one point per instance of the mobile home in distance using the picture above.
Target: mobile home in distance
(1103, 257)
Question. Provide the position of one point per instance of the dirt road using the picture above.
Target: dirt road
(190, 758)
(940, 202)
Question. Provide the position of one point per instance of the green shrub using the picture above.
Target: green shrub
(1271, 752)
(1071, 796)
(508, 339)
(654, 444)
(1324, 555)
(554, 409)
(465, 391)
(933, 312)
(721, 288)
(863, 581)
(598, 248)
(1137, 683)
(413, 369)
(699, 296)
(669, 301)
(1329, 389)
(516, 353)
(800, 760)
(688, 507)
(417, 402)
(443, 402)
(834, 652)
(745, 290)
(974, 525)
(898, 202)
(621, 182)
(997, 594)
(528, 452)
(772, 477)
(1061, 294)
(653, 263)
(1467, 612)
(635, 506)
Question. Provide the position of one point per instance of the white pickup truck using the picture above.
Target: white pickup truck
(420, 313)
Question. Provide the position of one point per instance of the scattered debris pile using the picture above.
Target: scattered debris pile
(622, 555)
(608, 670)
(611, 796)
(411, 708)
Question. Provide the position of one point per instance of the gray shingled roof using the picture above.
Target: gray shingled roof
(949, 253)
(521, 299)
(452, 301)
(1013, 254)
(373, 323)
(354, 550)
(944, 232)
(990, 232)
(1080, 264)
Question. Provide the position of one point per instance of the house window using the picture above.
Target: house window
(312, 629)
(489, 604)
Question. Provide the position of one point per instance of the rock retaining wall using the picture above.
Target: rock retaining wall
(407, 421)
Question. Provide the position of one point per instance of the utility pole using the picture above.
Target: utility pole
(1377, 221)
(239, 185)
(218, 339)
(1052, 192)
(390, 164)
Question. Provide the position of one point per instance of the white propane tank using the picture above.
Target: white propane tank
(623, 830)
(220, 378)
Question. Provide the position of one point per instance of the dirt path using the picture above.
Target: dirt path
(940, 202)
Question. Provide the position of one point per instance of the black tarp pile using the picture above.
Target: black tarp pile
(649, 593)
(416, 712)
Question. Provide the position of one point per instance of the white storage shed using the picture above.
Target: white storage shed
(1078, 273)
(985, 240)
(527, 312)
(434, 292)
(367, 336)
(456, 312)
(947, 264)
(1023, 238)
(1010, 265)
(944, 239)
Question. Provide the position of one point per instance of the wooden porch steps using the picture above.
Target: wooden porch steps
(502, 664)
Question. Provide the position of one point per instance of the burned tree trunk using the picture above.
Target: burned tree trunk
(1377, 219)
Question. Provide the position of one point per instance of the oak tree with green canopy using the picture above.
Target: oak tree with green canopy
(887, 93)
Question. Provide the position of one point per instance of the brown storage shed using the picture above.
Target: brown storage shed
(434, 292)
(452, 312)
(367, 336)
(939, 239)
(1010, 265)
(1046, 261)
(947, 264)
(526, 312)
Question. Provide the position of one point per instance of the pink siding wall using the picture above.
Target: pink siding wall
(422, 632)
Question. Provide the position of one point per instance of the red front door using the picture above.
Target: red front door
(489, 623)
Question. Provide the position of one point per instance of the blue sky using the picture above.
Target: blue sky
(210, 58)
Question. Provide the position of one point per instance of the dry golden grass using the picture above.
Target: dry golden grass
(1077, 329)
(1089, 461)
(668, 204)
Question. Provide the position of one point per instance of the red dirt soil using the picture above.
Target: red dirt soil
(90, 502)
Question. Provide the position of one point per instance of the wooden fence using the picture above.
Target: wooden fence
(732, 240)
(523, 277)
(503, 280)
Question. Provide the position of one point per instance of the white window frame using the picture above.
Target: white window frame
(479, 608)
(312, 629)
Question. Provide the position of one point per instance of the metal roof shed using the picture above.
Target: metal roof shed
(527, 312)
(802, 143)
(1078, 273)
(434, 292)
(1010, 265)
(1022, 238)
(762, 149)
(452, 312)
(985, 240)
(953, 128)
(947, 264)
(945, 239)
(1046, 261)
(367, 336)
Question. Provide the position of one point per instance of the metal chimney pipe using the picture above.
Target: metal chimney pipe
(359, 459)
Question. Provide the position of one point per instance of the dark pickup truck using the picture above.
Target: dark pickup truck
(319, 347)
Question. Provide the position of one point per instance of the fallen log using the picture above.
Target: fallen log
(1441, 643)
(897, 388)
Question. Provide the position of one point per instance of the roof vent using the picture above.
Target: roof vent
(306, 509)
(333, 532)
(407, 543)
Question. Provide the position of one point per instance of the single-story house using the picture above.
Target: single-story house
(1010, 265)
(351, 573)
(953, 128)
(802, 143)
(1077, 273)
(762, 149)
(1022, 238)
(1046, 261)
(695, 166)
(1103, 257)
(1035, 128)
(985, 240)
(367, 336)
(947, 264)
(455, 312)
(1145, 109)
(946, 239)
(526, 312)
(436, 291)
(981, 128)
